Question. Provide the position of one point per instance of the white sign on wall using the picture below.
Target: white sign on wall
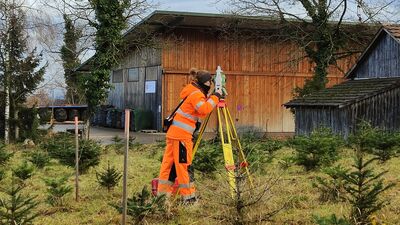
(150, 86)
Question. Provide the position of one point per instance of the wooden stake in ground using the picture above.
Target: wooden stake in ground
(76, 159)
(124, 200)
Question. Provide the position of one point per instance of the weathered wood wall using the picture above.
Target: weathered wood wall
(382, 60)
(131, 94)
(382, 111)
(261, 76)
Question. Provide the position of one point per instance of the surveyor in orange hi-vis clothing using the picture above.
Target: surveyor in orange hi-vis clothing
(177, 159)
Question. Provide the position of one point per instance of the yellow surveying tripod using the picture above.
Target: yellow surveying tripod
(229, 139)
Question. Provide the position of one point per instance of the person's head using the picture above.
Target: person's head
(202, 78)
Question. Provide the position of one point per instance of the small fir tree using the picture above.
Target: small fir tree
(332, 188)
(363, 188)
(4, 155)
(57, 189)
(330, 220)
(17, 208)
(109, 178)
(24, 171)
(39, 159)
(143, 204)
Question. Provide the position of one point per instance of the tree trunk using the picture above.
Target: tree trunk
(7, 113)
(16, 128)
(87, 129)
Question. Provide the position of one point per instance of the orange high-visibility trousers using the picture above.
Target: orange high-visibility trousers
(176, 163)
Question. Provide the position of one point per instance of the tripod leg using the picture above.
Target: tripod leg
(201, 131)
(242, 157)
(227, 150)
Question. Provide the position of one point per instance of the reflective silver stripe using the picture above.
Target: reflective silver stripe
(183, 126)
(211, 102)
(186, 197)
(165, 182)
(198, 105)
(187, 115)
(190, 185)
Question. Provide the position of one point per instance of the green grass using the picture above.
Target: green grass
(292, 188)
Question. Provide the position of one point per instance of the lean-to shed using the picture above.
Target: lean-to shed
(261, 73)
(371, 93)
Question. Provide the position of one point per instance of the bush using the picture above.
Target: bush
(317, 150)
(39, 159)
(331, 189)
(17, 208)
(109, 178)
(383, 144)
(29, 123)
(259, 153)
(57, 189)
(62, 147)
(4, 155)
(208, 157)
(142, 204)
(24, 171)
(2, 174)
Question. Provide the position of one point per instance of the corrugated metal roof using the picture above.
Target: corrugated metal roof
(346, 93)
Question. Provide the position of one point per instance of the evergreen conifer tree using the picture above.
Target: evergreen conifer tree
(109, 178)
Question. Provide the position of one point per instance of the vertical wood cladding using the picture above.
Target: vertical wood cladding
(382, 60)
(261, 75)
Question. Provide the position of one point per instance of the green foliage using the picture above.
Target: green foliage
(24, 171)
(109, 178)
(29, 123)
(383, 144)
(57, 189)
(116, 139)
(17, 208)
(143, 204)
(109, 45)
(39, 158)
(4, 155)
(208, 157)
(62, 147)
(330, 220)
(317, 150)
(364, 188)
(69, 56)
(331, 189)
(259, 153)
(2, 174)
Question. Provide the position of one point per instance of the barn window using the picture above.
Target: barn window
(117, 76)
(151, 73)
(133, 74)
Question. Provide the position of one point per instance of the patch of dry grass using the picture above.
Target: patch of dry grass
(291, 187)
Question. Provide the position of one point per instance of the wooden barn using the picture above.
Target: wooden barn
(371, 93)
(261, 72)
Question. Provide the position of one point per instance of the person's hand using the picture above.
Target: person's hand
(218, 93)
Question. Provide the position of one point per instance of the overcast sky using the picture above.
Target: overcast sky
(192, 5)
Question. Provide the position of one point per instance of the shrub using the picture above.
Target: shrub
(317, 150)
(109, 178)
(62, 147)
(2, 174)
(4, 155)
(143, 204)
(24, 171)
(208, 157)
(331, 189)
(383, 144)
(363, 188)
(57, 189)
(17, 208)
(39, 159)
(259, 153)
(29, 123)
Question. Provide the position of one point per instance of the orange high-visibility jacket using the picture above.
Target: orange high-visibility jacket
(195, 106)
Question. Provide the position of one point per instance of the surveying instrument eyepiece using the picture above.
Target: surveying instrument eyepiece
(234, 163)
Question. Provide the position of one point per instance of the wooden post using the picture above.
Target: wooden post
(125, 175)
(76, 159)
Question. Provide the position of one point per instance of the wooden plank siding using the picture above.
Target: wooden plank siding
(131, 94)
(381, 110)
(261, 76)
(382, 60)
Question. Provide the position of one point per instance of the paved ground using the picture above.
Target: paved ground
(105, 135)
